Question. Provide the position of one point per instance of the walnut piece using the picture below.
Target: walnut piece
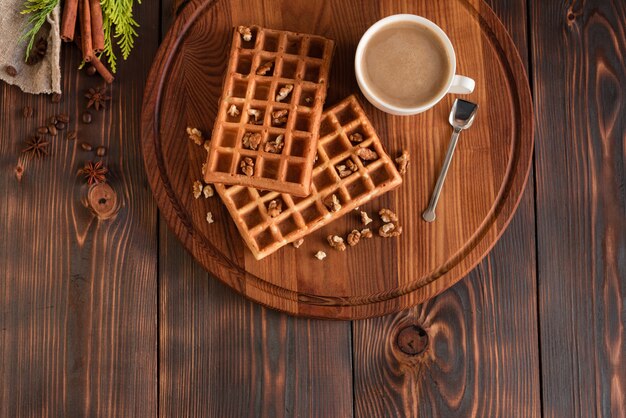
(197, 189)
(388, 216)
(332, 203)
(336, 242)
(247, 166)
(391, 229)
(209, 217)
(320, 255)
(256, 117)
(366, 233)
(353, 238)
(284, 92)
(366, 154)
(352, 166)
(275, 146)
(343, 171)
(274, 208)
(245, 32)
(208, 191)
(279, 117)
(203, 170)
(207, 145)
(233, 111)
(195, 135)
(251, 140)
(265, 68)
(365, 218)
(356, 137)
(403, 161)
(298, 243)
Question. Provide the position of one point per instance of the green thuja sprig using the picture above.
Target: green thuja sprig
(38, 11)
(119, 24)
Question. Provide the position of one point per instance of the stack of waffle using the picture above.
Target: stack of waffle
(272, 147)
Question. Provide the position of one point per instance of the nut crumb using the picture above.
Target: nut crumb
(274, 208)
(275, 146)
(353, 238)
(365, 218)
(265, 68)
(391, 229)
(366, 233)
(332, 203)
(195, 135)
(298, 243)
(203, 170)
(388, 216)
(356, 137)
(251, 140)
(320, 255)
(366, 154)
(403, 161)
(245, 32)
(247, 166)
(208, 191)
(343, 171)
(197, 189)
(209, 217)
(233, 111)
(284, 92)
(336, 242)
(279, 117)
(257, 115)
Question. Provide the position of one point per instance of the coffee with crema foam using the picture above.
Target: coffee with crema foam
(406, 65)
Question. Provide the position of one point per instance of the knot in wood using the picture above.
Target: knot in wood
(412, 340)
(102, 200)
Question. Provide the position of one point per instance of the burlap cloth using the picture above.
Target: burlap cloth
(43, 77)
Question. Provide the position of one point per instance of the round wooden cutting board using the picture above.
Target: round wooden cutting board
(380, 275)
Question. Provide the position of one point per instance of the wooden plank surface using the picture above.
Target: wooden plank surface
(482, 357)
(579, 76)
(77, 295)
(224, 356)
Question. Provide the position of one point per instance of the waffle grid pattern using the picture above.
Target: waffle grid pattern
(299, 60)
(301, 216)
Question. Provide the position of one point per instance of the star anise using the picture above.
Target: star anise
(98, 97)
(36, 146)
(94, 173)
(38, 52)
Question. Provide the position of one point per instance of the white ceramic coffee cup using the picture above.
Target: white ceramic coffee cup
(455, 84)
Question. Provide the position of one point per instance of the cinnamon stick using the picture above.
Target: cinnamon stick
(97, 64)
(97, 28)
(68, 21)
(102, 70)
(85, 29)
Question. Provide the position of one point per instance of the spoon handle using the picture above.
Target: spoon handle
(429, 213)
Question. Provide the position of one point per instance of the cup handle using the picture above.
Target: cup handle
(462, 85)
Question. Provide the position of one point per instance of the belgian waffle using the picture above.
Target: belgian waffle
(265, 134)
(251, 208)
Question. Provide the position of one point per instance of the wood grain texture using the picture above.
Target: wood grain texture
(482, 357)
(581, 204)
(77, 295)
(224, 356)
(429, 257)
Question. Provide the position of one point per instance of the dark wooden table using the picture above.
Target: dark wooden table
(113, 318)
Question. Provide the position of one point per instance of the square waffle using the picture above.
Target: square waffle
(250, 208)
(245, 145)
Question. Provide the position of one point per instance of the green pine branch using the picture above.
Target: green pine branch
(38, 11)
(118, 22)
(119, 25)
